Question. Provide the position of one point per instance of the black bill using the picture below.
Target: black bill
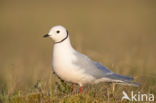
(46, 35)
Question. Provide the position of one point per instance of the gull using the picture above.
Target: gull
(72, 66)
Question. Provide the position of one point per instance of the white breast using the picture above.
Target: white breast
(62, 64)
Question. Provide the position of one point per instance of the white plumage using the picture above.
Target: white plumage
(75, 67)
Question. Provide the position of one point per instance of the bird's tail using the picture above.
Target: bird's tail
(134, 84)
(124, 80)
(120, 77)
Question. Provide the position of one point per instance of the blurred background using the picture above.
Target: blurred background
(120, 34)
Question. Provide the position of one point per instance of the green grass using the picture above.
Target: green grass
(119, 34)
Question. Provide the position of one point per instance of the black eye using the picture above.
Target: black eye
(57, 31)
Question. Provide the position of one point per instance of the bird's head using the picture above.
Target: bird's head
(57, 33)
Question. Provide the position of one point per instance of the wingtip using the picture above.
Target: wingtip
(134, 84)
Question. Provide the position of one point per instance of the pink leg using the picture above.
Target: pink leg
(74, 88)
(80, 89)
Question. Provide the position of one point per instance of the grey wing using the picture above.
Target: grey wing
(103, 68)
(112, 75)
(90, 67)
(96, 69)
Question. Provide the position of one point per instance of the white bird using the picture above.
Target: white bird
(72, 66)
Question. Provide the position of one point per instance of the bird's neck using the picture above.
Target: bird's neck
(62, 52)
(64, 46)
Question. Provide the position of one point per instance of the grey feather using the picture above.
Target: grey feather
(135, 84)
(97, 70)
(90, 67)
(119, 77)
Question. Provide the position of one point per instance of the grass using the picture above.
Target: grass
(91, 94)
(121, 35)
